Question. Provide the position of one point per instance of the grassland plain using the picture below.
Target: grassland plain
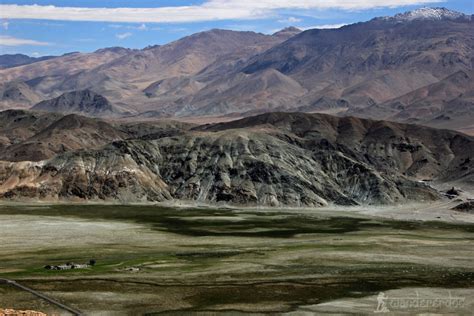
(204, 260)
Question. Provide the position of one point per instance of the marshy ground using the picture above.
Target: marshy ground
(205, 260)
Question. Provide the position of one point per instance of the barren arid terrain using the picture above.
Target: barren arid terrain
(412, 67)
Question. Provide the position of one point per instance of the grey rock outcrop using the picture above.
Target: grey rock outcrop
(85, 102)
(274, 159)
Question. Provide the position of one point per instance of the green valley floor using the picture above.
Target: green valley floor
(156, 259)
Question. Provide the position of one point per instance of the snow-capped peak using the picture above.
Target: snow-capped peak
(428, 14)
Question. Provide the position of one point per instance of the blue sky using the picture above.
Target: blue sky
(54, 27)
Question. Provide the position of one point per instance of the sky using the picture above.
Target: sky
(54, 27)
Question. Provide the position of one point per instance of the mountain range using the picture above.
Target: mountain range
(387, 68)
(362, 114)
(272, 159)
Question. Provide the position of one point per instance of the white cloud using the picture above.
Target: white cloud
(6, 40)
(122, 36)
(290, 20)
(5, 24)
(141, 27)
(208, 11)
(323, 26)
(43, 23)
(35, 54)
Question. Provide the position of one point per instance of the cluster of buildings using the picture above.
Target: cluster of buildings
(70, 266)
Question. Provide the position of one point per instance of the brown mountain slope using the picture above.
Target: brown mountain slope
(124, 79)
(68, 133)
(271, 159)
(43, 77)
(186, 56)
(32, 135)
(18, 125)
(434, 46)
(244, 92)
(448, 103)
(124, 76)
(354, 67)
(17, 94)
(83, 102)
(358, 65)
(64, 65)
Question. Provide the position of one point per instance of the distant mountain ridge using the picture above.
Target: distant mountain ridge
(287, 32)
(427, 13)
(357, 69)
(14, 60)
(357, 65)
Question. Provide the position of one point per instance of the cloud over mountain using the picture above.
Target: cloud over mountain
(210, 10)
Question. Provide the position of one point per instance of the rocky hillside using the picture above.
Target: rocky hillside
(36, 136)
(85, 102)
(272, 159)
(448, 103)
(17, 94)
(48, 135)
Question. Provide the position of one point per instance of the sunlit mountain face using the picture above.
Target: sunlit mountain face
(412, 67)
